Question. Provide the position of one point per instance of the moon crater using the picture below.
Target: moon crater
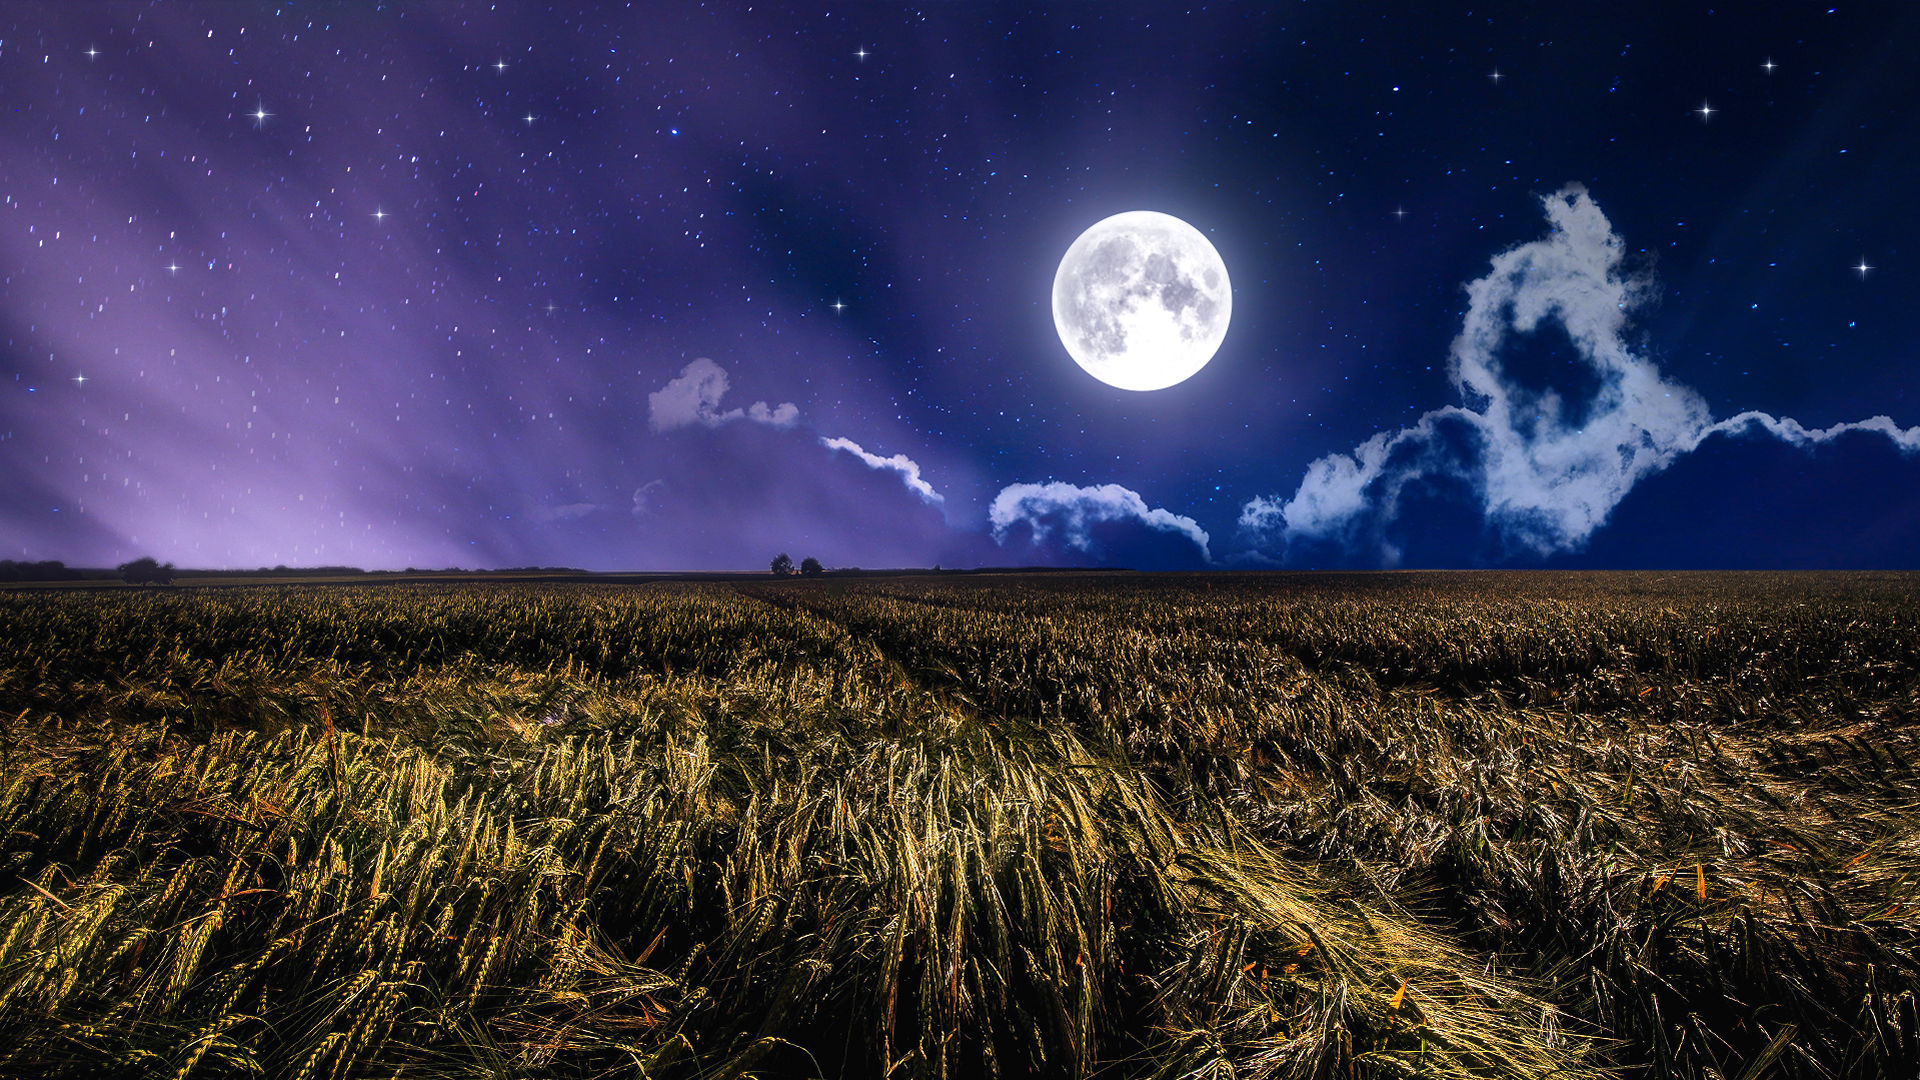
(1142, 300)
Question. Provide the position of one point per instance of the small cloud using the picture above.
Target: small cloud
(565, 512)
(693, 397)
(649, 497)
(908, 469)
(781, 415)
(1071, 514)
(1787, 429)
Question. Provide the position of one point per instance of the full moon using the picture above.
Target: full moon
(1141, 300)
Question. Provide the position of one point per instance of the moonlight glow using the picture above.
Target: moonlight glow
(1142, 300)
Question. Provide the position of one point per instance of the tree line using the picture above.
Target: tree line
(47, 570)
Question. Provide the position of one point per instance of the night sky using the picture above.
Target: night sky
(665, 286)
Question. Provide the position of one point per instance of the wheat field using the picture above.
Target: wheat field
(1436, 825)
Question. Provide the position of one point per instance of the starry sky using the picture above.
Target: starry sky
(680, 286)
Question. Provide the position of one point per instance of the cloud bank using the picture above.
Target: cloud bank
(693, 397)
(908, 469)
(1546, 475)
(1071, 515)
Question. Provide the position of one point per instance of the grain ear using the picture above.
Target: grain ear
(1293, 825)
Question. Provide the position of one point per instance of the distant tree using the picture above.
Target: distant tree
(144, 570)
(810, 567)
(46, 570)
(782, 565)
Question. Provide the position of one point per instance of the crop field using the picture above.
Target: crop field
(1290, 825)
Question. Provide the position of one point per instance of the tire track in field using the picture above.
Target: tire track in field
(789, 602)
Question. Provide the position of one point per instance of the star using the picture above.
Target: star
(1496, 76)
(260, 114)
(552, 307)
(861, 53)
(1863, 268)
(499, 65)
(1768, 65)
(839, 307)
(81, 379)
(1399, 213)
(1706, 111)
(173, 268)
(528, 118)
(379, 214)
(93, 53)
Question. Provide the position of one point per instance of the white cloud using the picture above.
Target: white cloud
(1787, 429)
(647, 498)
(1075, 510)
(908, 469)
(565, 512)
(1545, 481)
(693, 397)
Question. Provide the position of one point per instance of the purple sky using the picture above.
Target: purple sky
(682, 287)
